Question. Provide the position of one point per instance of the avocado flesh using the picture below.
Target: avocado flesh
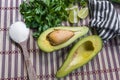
(81, 53)
(45, 45)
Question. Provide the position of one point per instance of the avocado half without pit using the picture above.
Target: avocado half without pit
(83, 51)
(60, 37)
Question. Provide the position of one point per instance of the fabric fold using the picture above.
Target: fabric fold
(104, 18)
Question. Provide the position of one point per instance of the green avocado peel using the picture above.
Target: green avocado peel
(81, 53)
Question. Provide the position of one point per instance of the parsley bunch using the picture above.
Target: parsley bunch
(43, 14)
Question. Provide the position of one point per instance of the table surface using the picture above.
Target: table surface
(104, 66)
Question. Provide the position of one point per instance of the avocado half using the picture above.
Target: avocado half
(83, 51)
(45, 45)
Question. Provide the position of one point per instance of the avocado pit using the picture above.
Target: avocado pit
(59, 36)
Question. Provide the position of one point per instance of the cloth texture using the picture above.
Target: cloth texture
(104, 18)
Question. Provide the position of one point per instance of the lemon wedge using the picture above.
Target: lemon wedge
(73, 12)
(83, 13)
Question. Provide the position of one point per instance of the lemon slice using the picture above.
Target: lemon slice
(83, 13)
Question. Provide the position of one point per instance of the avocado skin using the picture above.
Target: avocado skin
(64, 70)
(45, 45)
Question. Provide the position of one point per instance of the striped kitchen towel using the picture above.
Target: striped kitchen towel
(104, 18)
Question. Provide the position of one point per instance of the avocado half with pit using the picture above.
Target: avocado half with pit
(83, 51)
(60, 37)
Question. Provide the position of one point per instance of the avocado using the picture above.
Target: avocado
(82, 52)
(59, 37)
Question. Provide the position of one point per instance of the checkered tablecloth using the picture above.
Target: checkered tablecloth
(104, 66)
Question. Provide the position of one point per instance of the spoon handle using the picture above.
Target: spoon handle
(30, 69)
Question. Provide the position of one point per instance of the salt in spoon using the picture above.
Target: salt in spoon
(19, 33)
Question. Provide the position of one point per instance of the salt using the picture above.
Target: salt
(18, 32)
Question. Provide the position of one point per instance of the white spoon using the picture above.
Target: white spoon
(19, 33)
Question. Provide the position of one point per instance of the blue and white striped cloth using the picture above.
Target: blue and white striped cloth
(104, 18)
